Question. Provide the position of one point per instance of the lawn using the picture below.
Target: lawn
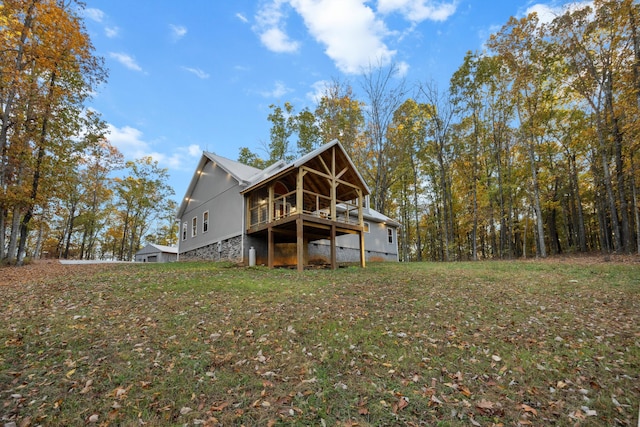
(456, 344)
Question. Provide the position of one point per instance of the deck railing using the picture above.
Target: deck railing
(314, 204)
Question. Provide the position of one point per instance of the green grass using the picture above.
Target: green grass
(493, 343)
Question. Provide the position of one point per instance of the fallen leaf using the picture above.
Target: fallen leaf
(528, 408)
(220, 407)
(485, 404)
(399, 405)
(465, 391)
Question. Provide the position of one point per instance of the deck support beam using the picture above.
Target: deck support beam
(300, 243)
(270, 247)
(362, 257)
(334, 261)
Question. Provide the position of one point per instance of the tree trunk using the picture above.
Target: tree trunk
(541, 248)
(13, 236)
(72, 217)
(581, 233)
(37, 253)
(3, 222)
(636, 208)
(624, 229)
(416, 210)
(24, 225)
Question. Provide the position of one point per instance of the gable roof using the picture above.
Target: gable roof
(153, 248)
(238, 171)
(250, 177)
(280, 168)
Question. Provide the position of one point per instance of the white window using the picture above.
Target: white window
(194, 226)
(367, 227)
(390, 235)
(184, 231)
(205, 222)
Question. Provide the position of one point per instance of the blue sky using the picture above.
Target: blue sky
(200, 74)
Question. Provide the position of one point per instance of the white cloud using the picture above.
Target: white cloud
(241, 17)
(178, 31)
(350, 31)
(279, 90)
(198, 72)
(319, 90)
(419, 10)
(270, 26)
(548, 12)
(403, 69)
(194, 150)
(125, 60)
(181, 158)
(112, 32)
(130, 142)
(94, 14)
(277, 40)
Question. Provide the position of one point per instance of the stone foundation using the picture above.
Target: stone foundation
(226, 250)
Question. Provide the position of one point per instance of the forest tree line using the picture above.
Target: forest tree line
(532, 150)
(65, 192)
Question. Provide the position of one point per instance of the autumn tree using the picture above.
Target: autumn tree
(142, 195)
(407, 134)
(440, 116)
(48, 70)
(521, 48)
(384, 93)
(597, 45)
(340, 116)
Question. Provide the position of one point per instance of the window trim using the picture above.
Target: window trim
(194, 226)
(185, 227)
(205, 221)
(390, 236)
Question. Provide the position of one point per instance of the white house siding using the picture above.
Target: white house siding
(219, 195)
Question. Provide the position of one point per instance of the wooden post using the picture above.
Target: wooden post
(300, 242)
(299, 192)
(270, 247)
(334, 262)
(362, 258)
(360, 207)
(334, 184)
(270, 203)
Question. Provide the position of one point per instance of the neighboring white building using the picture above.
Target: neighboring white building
(157, 253)
(313, 210)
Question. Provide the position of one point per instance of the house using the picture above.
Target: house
(157, 253)
(313, 210)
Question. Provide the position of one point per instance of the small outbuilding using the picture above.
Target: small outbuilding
(157, 253)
